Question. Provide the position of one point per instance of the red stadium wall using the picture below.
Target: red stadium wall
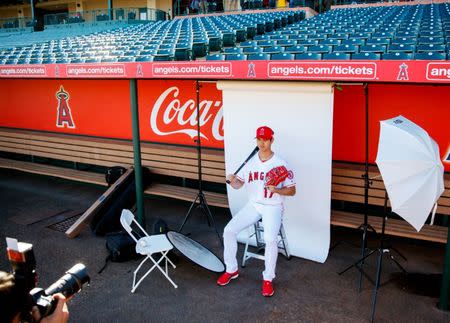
(167, 111)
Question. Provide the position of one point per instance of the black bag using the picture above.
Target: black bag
(160, 227)
(121, 247)
(112, 174)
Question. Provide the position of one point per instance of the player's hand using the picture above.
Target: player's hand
(272, 188)
(60, 315)
(231, 178)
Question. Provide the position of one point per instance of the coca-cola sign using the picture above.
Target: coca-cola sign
(168, 113)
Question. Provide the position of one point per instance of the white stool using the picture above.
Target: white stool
(260, 244)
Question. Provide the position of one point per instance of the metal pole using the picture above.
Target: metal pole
(32, 11)
(137, 152)
(110, 9)
(445, 287)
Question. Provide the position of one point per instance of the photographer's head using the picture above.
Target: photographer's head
(12, 297)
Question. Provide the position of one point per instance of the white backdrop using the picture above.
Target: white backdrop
(301, 115)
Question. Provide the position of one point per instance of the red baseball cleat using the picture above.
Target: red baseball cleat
(225, 278)
(267, 288)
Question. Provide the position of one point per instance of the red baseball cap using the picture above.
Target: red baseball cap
(264, 132)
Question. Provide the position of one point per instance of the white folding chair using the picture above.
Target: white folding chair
(258, 233)
(147, 246)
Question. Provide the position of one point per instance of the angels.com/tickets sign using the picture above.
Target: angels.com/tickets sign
(408, 71)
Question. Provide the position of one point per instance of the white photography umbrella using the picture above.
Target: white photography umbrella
(409, 162)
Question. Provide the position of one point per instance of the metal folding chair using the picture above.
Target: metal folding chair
(147, 246)
(258, 233)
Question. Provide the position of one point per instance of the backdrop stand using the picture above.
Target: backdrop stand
(200, 200)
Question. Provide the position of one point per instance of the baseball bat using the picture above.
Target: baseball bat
(254, 151)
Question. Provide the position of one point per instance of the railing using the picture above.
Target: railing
(208, 6)
(116, 14)
(10, 23)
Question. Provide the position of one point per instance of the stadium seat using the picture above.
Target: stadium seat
(430, 56)
(144, 58)
(372, 49)
(345, 49)
(258, 57)
(282, 56)
(235, 57)
(431, 40)
(397, 56)
(125, 59)
(215, 57)
(401, 48)
(308, 56)
(233, 50)
(297, 49)
(366, 56)
(319, 49)
(249, 43)
(336, 56)
(286, 43)
(354, 41)
(430, 48)
(273, 49)
(252, 50)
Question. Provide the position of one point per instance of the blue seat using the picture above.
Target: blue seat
(267, 43)
(336, 56)
(424, 56)
(330, 42)
(215, 57)
(397, 56)
(308, 42)
(378, 41)
(144, 58)
(430, 48)
(319, 49)
(431, 40)
(354, 41)
(366, 56)
(233, 50)
(372, 49)
(308, 56)
(286, 43)
(252, 50)
(297, 49)
(249, 43)
(401, 48)
(258, 57)
(282, 56)
(126, 59)
(273, 49)
(403, 41)
(235, 57)
(345, 49)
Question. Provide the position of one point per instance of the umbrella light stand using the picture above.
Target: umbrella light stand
(383, 250)
(200, 200)
(365, 227)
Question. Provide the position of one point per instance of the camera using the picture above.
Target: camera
(23, 263)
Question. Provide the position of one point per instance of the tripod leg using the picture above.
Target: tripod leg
(377, 284)
(188, 214)
(357, 263)
(209, 216)
(363, 252)
(397, 263)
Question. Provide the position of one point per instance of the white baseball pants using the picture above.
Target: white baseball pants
(251, 213)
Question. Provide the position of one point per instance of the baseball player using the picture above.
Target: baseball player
(265, 202)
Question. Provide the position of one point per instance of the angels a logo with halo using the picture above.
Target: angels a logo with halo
(63, 115)
(403, 73)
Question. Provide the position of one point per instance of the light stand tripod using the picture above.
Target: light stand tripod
(383, 250)
(200, 198)
(365, 226)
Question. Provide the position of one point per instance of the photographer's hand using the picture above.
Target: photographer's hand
(60, 315)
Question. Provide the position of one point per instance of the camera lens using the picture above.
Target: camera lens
(71, 282)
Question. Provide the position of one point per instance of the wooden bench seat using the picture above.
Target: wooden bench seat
(169, 160)
(394, 227)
